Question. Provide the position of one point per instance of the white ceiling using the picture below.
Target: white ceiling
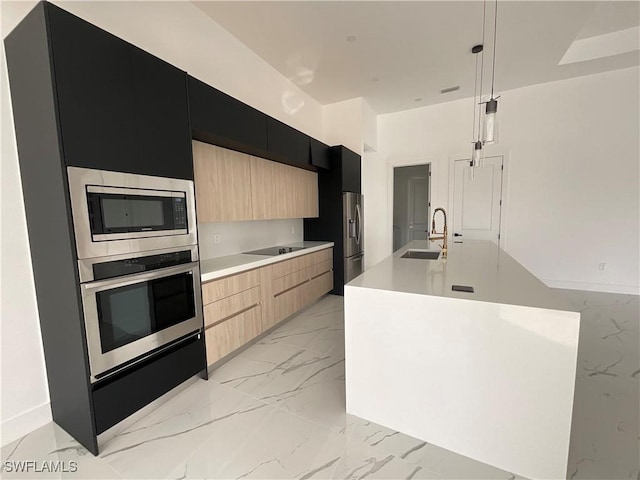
(406, 52)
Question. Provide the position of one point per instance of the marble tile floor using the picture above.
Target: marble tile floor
(277, 411)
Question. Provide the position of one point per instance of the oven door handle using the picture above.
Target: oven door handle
(141, 277)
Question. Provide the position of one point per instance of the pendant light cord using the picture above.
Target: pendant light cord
(475, 93)
(495, 30)
(484, 15)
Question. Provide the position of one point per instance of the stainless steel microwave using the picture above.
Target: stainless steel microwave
(116, 213)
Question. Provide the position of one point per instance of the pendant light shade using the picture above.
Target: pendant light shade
(476, 157)
(490, 122)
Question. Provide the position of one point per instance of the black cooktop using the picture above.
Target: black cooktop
(275, 250)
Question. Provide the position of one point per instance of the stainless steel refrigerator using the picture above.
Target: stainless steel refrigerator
(353, 232)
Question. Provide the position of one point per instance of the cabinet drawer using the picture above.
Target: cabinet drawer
(326, 254)
(319, 286)
(289, 281)
(225, 287)
(229, 306)
(319, 257)
(289, 266)
(320, 268)
(289, 302)
(227, 336)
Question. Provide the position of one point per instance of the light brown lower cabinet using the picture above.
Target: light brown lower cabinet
(320, 285)
(240, 307)
(225, 337)
(227, 307)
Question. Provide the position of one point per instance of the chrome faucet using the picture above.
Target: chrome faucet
(443, 236)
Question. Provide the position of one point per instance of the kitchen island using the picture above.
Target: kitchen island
(488, 374)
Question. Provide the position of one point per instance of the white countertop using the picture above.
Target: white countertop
(495, 276)
(213, 268)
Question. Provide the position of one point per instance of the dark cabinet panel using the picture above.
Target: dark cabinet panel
(51, 240)
(351, 170)
(222, 120)
(286, 144)
(95, 98)
(319, 154)
(122, 396)
(120, 108)
(162, 117)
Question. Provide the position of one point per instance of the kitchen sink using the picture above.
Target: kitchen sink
(421, 254)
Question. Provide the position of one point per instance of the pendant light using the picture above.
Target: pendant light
(477, 154)
(490, 121)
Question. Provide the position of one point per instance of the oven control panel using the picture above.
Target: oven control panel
(128, 266)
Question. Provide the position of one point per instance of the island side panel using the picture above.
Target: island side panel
(489, 381)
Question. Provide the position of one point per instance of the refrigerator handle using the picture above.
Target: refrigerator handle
(359, 224)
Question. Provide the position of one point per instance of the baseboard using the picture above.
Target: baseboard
(593, 287)
(26, 422)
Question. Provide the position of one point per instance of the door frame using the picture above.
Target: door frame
(492, 151)
(391, 190)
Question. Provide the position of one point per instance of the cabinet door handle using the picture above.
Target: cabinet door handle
(457, 234)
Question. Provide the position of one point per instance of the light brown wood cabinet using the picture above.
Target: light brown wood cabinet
(232, 313)
(225, 337)
(240, 307)
(233, 186)
(222, 184)
(282, 191)
(300, 281)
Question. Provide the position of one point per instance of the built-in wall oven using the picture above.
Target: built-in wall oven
(135, 305)
(138, 265)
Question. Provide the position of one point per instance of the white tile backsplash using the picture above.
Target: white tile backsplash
(238, 237)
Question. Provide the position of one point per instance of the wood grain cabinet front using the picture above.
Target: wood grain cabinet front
(233, 186)
(232, 313)
(298, 282)
(225, 337)
(282, 191)
(240, 307)
(222, 183)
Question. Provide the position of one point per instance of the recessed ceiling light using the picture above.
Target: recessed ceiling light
(417, 99)
(351, 38)
(450, 89)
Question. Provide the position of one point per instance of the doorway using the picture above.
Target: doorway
(411, 204)
(477, 202)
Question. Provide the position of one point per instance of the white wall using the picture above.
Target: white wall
(378, 207)
(573, 174)
(343, 124)
(369, 128)
(181, 34)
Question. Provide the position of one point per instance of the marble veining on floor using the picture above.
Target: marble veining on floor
(277, 411)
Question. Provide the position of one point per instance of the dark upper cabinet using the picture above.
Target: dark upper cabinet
(162, 116)
(350, 162)
(320, 154)
(286, 144)
(119, 107)
(222, 120)
(94, 92)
